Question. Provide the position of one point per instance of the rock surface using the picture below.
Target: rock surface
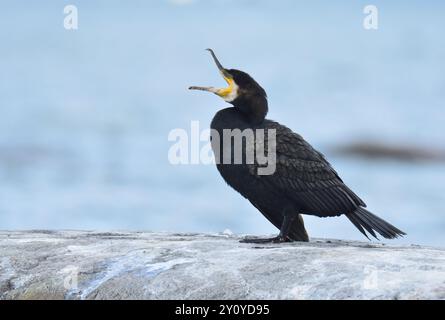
(138, 265)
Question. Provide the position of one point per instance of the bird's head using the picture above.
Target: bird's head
(242, 91)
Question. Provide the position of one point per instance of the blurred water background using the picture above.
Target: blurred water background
(85, 115)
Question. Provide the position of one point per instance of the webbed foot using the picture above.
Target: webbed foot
(277, 239)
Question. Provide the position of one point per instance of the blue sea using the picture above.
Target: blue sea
(85, 114)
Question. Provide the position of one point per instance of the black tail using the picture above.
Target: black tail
(363, 219)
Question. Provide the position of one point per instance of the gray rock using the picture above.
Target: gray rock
(401, 152)
(138, 265)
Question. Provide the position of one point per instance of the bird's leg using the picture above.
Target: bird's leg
(289, 217)
(286, 225)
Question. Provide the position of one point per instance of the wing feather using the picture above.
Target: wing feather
(305, 176)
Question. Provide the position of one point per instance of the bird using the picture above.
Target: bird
(303, 181)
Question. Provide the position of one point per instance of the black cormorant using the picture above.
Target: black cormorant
(303, 181)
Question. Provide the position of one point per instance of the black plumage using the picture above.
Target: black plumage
(304, 182)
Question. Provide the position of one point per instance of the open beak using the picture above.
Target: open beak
(222, 92)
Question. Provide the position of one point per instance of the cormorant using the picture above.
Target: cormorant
(303, 182)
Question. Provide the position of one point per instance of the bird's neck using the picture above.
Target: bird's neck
(255, 110)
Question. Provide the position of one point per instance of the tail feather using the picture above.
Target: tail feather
(365, 220)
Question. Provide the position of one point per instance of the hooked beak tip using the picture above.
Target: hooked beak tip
(218, 64)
